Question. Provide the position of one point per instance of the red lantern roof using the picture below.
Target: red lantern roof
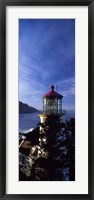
(52, 93)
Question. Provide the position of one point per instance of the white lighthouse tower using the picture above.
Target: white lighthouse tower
(52, 104)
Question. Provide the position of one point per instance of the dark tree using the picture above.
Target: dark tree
(55, 159)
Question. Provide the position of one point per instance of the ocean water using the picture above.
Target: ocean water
(29, 121)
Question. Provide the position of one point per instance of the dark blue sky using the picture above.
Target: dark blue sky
(46, 57)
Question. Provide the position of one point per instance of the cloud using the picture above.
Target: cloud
(46, 56)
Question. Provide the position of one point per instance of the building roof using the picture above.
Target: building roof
(52, 93)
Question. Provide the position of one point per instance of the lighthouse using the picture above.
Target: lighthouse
(52, 104)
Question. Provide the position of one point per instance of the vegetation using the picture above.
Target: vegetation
(52, 154)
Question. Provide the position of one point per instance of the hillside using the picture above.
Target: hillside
(24, 108)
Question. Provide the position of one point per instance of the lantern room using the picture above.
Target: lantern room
(52, 102)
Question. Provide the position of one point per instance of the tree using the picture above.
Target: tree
(54, 155)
